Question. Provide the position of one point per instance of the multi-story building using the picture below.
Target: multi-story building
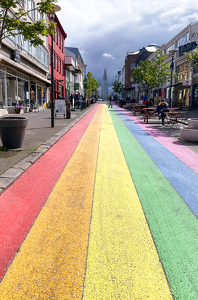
(23, 68)
(183, 92)
(79, 67)
(58, 58)
(130, 62)
(69, 72)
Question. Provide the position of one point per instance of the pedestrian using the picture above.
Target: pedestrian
(161, 109)
(110, 100)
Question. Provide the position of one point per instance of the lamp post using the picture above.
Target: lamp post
(85, 83)
(51, 18)
(172, 52)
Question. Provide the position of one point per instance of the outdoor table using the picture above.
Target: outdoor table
(149, 112)
(138, 108)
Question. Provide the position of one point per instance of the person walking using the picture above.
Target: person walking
(110, 101)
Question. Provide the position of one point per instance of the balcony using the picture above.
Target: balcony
(69, 63)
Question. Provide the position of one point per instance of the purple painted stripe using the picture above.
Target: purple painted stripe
(186, 155)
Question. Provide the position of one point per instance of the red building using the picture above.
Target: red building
(59, 56)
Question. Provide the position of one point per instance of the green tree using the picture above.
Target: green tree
(142, 74)
(160, 71)
(193, 56)
(12, 25)
(118, 87)
(153, 74)
(90, 83)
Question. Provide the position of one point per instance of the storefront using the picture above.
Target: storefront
(16, 87)
(182, 88)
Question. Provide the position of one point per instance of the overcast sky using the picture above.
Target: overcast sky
(105, 30)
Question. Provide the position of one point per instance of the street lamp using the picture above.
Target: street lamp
(51, 18)
(172, 52)
(85, 83)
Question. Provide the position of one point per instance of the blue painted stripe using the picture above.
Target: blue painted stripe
(182, 178)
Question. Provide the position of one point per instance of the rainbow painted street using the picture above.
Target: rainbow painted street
(112, 215)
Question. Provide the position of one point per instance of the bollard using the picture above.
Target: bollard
(68, 110)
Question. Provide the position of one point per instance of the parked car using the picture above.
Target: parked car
(100, 99)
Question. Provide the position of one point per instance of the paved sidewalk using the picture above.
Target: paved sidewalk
(39, 137)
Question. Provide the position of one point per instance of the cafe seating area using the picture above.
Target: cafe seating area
(174, 119)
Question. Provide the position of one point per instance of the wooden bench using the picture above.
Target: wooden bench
(149, 112)
(138, 108)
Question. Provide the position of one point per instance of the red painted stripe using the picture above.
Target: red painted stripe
(21, 203)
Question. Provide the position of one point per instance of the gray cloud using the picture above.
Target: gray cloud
(106, 30)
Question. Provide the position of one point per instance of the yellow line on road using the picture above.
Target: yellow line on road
(51, 261)
(122, 259)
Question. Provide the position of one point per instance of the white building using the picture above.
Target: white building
(23, 68)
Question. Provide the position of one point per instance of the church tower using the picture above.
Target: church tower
(105, 92)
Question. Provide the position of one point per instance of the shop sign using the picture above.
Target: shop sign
(187, 82)
(187, 48)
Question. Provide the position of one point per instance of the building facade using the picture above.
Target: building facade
(75, 72)
(130, 63)
(58, 59)
(24, 68)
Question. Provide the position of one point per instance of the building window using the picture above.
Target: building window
(57, 63)
(39, 16)
(131, 78)
(172, 47)
(61, 91)
(132, 66)
(184, 39)
(31, 9)
(184, 72)
(22, 3)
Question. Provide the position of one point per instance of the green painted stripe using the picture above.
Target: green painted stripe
(174, 227)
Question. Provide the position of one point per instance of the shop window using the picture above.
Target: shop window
(39, 96)
(11, 90)
(23, 95)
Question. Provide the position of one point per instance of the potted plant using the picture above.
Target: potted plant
(18, 108)
(12, 131)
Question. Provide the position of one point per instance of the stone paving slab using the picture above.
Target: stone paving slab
(5, 183)
(13, 173)
(24, 165)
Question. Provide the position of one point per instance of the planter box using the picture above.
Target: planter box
(12, 131)
(11, 109)
(193, 123)
(189, 134)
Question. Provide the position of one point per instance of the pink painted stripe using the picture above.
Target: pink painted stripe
(186, 155)
(21, 203)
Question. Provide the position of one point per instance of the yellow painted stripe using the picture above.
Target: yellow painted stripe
(51, 261)
(122, 259)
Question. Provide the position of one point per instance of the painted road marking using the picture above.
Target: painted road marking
(51, 261)
(22, 201)
(173, 225)
(122, 259)
(178, 174)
